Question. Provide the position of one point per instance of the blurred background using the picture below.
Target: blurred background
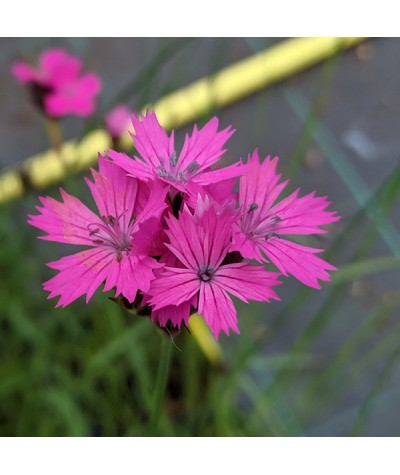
(318, 363)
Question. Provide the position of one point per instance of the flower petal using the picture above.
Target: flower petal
(217, 309)
(204, 146)
(259, 185)
(134, 167)
(203, 238)
(88, 85)
(130, 274)
(185, 241)
(247, 282)
(217, 226)
(23, 72)
(64, 222)
(220, 192)
(76, 96)
(303, 215)
(298, 260)
(58, 67)
(173, 286)
(215, 176)
(146, 232)
(113, 191)
(79, 274)
(176, 314)
(247, 247)
(151, 140)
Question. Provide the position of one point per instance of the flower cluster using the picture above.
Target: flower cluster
(171, 234)
(58, 85)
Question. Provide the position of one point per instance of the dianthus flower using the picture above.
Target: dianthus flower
(118, 121)
(184, 172)
(173, 238)
(58, 84)
(201, 242)
(263, 222)
(121, 239)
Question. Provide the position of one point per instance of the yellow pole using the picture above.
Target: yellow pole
(246, 77)
(181, 107)
(206, 340)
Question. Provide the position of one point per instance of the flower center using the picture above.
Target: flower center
(256, 225)
(70, 91)
(206, 272)
(112, 234)
(172, 171)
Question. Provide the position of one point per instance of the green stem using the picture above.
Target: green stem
(55, 136)
(54, 133)
(163, 369)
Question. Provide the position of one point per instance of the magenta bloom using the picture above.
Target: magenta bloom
(201, 242)
(159, 159)
(262, 223)
(120, 241)
(59, 83)
(118, 121)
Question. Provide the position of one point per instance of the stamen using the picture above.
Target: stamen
(173, 159)
(182, 176)
(252, 207)
(192, 167)
(94, 231)
(271, 235)
(164, 175)
(275, 219)
(113, 233)
(206, 272)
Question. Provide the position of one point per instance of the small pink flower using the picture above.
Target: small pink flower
(118, 121)
(121, 240)
(59, 84)
(159, 159)
(201, 242)
(262, 223)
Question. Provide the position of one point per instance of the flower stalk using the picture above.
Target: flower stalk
(163, 369)
(54, 134)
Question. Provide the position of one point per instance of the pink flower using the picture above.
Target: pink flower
(201, 242)
(262, 223)
(120, 241)
(59, 84)
(159, 159)
(118, 120)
